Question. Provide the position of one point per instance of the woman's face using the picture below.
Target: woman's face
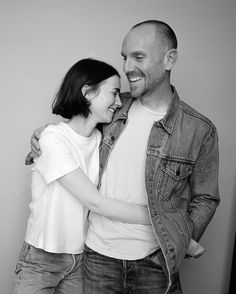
(104, 104)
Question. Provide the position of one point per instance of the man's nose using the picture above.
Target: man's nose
(128, 65)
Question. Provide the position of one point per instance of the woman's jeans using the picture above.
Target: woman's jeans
(38, 271)
(105, 275)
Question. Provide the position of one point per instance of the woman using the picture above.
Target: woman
(64, 180)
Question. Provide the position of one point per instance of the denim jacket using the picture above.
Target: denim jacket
(181, 175)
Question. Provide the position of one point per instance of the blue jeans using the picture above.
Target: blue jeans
(105, 275)
(38, 271)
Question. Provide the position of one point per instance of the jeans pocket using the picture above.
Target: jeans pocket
(24, 251)
(87, 249)
(157, 259)
(153, 258)
(22, 257)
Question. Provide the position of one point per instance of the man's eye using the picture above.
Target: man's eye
(139, 58)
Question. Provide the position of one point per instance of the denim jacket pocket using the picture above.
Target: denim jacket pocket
(175, 173)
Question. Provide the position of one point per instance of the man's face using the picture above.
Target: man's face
(143, 55)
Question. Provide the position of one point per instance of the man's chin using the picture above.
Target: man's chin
(134, 94)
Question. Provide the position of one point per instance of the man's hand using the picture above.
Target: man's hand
(35, 148)
(194, 249)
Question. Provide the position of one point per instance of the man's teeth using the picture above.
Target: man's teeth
(135, 79)
(111, 109)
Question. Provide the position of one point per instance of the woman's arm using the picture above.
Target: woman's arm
(77, 183)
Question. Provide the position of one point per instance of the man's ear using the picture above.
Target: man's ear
(170, 59)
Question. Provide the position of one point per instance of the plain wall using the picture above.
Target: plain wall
(40, 40)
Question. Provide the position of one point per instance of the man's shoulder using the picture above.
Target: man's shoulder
(195, 115)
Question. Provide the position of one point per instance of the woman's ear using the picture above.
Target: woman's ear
(170, 59)
(88, 92)
(85, 90)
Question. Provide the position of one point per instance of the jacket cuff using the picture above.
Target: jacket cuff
(195, 249)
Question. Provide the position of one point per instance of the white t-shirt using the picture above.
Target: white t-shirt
(57, 222)
(124, 179)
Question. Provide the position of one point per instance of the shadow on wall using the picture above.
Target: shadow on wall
(232, 286)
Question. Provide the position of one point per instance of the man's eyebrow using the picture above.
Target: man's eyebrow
(135, 53)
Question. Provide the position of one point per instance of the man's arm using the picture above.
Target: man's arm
(204, 185)
(35, 148)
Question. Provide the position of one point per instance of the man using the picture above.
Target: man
(160, 152)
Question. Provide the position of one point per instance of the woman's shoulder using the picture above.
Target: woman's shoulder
(54, 131)
(62, 132)
(55, 128)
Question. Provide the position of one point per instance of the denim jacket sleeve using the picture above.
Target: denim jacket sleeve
(204, 184)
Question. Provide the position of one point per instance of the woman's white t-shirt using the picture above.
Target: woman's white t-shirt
(57, 222)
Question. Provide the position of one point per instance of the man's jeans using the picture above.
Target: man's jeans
(38, 271)
(105, 275)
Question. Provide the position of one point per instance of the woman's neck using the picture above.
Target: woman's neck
(81, 125)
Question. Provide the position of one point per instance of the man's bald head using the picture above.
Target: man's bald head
(163, 31)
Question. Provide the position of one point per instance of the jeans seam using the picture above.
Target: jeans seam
(73, 264)
(124, 269)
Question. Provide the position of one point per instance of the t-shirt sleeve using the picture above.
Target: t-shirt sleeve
(56, 159)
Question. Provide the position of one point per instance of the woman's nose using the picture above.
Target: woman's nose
(118, 102)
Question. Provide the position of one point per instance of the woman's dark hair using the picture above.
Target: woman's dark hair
(69, 100)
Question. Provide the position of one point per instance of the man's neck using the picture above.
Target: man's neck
(159, 99)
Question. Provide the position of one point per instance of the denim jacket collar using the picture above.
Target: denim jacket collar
(122, 113)
(167, 121)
